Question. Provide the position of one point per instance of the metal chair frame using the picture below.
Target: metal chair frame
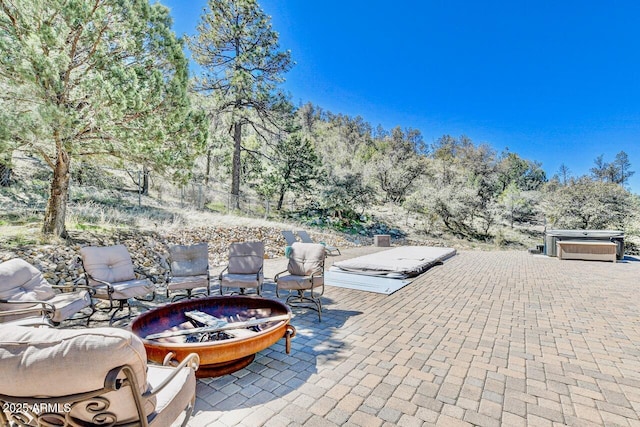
(122, 303)
(27, 410)
(299, 299)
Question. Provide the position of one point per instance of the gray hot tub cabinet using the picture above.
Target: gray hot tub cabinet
(551, 237)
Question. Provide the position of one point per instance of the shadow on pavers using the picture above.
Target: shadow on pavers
(274, 374)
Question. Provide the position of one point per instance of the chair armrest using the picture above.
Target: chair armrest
(192, 360)
(222, 272)
(147, 275)
(109, 286)
(275, 278)
(40, 307)
(313, 286)
(75, 287)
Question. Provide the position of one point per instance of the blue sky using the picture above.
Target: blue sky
(554, 81)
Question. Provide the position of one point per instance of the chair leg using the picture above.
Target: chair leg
(120, 307)
(93, 310)
(241, 291)
(188, 412)
(113, 309)
(178, 297)
(153, 296)
(300, 300)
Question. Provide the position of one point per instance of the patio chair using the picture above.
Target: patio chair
(26, 298)
(304, 236)
(188, 270)
(89, 377)
(109, 271)
(244, 271)
(304, 275)
(289, 237)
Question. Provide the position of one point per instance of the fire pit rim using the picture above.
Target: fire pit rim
(158, 343)
(223, 356)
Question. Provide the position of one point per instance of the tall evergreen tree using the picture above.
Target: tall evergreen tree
(296, 166)
(93, 78)
(623, 168)
(239, 52)
(617, 172)
(564, 173)
(599, 171)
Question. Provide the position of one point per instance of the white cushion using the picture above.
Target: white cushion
(69, 303)
(125, 290)
(299, 282)
(306, 259)
(246, 257)
(108, 263)
(189, 282)
(175, 397)
(20, 281)
(241, 280)
(189, 260)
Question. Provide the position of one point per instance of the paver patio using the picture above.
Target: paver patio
(488, 339)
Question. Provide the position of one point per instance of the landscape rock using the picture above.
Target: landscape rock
(149, 249)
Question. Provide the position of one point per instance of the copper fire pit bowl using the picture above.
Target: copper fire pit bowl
(219, 357)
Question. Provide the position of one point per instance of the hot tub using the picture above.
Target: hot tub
(551, 237)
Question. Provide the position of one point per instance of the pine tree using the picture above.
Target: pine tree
(623, 165)
(243, 65)
(94, 78)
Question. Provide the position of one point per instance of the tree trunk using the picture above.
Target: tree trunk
(281, 197)
(5, 175)
(208, 167)
(145, 181)
(54, 217)
(235, 178)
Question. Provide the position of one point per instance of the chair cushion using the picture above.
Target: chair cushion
(58, 362)
(125, 290)
(246, 257)
(69, 303)
(175, 397)
(109, 263)
(31, 321)
(188, 282)
(306, 259)
(189, 260)
(241, 280)
(299, 282)
(21, 281)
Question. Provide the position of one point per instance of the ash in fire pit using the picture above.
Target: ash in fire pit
(202, 320)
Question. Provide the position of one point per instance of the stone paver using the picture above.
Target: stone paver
(488, 339)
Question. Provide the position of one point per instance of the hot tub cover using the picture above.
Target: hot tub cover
(398, 263)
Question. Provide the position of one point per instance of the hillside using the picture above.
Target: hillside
(148, 224)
